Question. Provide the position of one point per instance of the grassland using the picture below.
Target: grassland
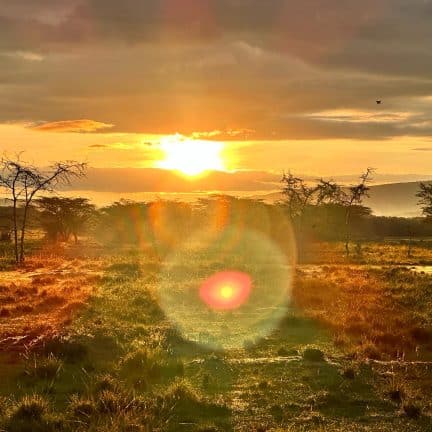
(87, 346)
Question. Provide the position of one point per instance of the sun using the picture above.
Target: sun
(191, 157)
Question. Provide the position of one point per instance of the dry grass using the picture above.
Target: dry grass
(373, 253)
(371, 312)
(37, 301)
(121, 366)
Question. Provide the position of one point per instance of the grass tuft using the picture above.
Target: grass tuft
(32, 407)
(69, 350)
(45, 367)
(82, 408)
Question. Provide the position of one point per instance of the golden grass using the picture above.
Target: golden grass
(38, 301)
(370, 311)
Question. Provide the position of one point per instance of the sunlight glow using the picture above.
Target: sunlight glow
(191, 157)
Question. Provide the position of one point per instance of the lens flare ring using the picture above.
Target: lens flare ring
(219, 293)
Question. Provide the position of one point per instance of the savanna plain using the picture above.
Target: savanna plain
(109, 335)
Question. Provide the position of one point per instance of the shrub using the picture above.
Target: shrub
(248, 344)
(411, 410)
(313, 354)
(395, 395)
(349, 373)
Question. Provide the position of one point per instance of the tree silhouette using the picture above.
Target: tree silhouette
(425, 199)
(62, 218)
(23, 181)
(352, 200)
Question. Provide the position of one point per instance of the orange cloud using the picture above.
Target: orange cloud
(227, 134)
(83, 125)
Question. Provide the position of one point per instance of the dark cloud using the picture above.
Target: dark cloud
(191, 66)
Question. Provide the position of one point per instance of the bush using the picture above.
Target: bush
(313, 354)
(349, 373)
(411, 410)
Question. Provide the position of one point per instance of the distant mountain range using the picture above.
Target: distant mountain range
(393, 199)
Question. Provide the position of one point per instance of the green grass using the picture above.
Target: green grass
(121, 365)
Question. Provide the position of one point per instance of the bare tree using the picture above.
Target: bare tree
(425, 199)
(23, 182)
(328, 192)
(352, 200)
(298, 195)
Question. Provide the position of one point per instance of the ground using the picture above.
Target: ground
(88, 344)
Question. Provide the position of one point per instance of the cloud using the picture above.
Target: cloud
(356, 116)
(83, 125)
(24, 55)
(225, 135)
(218, 69)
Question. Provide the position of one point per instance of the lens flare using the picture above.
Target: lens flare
(220, 293)
(226, 290)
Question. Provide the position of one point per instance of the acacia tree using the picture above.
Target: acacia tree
(425, 203)
(352, 200)
(63, 217)
(328, 192)
(298, 195)
(23, 182)
(425, 199)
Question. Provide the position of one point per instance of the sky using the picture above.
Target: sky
(277, 84)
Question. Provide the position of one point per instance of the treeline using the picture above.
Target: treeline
(308, 212)
(169, 222)
(161, 224)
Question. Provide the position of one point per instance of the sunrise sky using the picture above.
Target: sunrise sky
(228, 85)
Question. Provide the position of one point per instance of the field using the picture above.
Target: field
(115, 339)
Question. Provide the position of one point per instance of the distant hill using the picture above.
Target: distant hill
(394, 199)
